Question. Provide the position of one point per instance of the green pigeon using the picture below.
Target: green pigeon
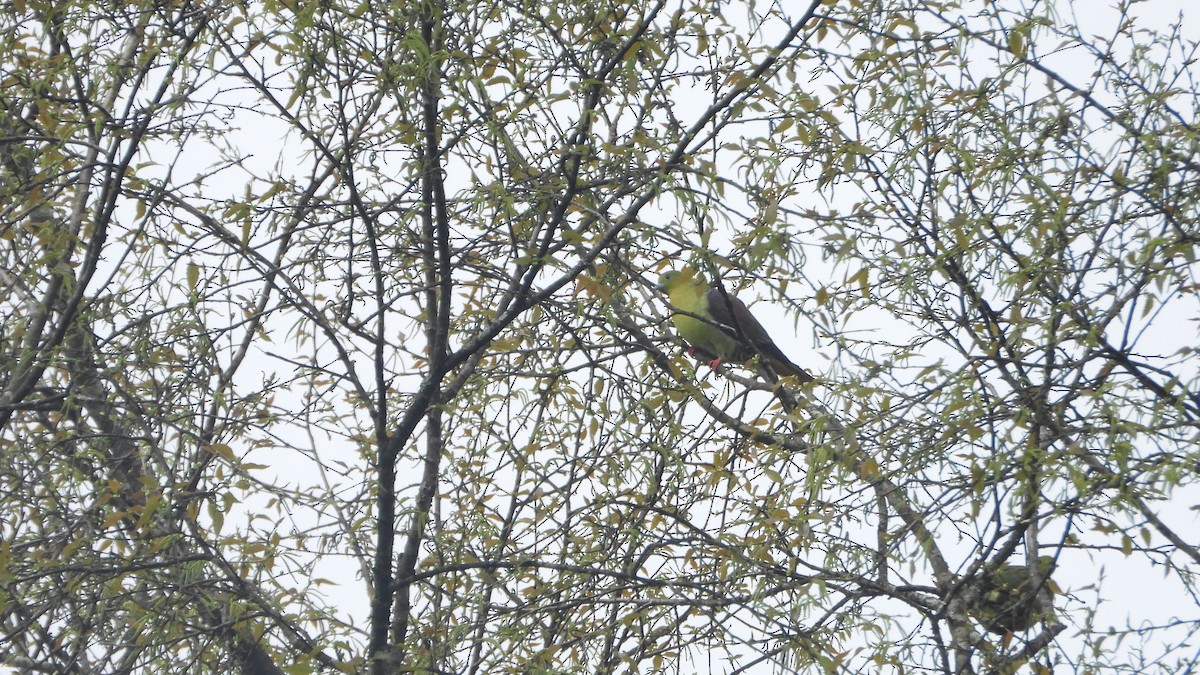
(1005, 602)
(721, 327)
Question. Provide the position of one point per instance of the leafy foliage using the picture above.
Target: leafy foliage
(330, 342)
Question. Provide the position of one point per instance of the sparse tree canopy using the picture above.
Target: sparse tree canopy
(330, 339)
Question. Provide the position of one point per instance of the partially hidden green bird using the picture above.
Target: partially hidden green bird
(1005, 601)
(720, 327)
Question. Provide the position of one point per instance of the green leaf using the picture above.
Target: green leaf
(193, 276)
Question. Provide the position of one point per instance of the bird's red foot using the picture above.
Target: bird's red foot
(691, 350)
(714, 364)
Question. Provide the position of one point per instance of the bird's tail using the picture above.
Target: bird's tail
(781, 367)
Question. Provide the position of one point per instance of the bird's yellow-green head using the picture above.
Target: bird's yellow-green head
(686, 289)
(1045, 564)
(674, 279)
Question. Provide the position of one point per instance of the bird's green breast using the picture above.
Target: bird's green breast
(698, 333)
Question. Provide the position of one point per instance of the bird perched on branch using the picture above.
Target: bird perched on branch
(1005, 601)
(720, 327)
